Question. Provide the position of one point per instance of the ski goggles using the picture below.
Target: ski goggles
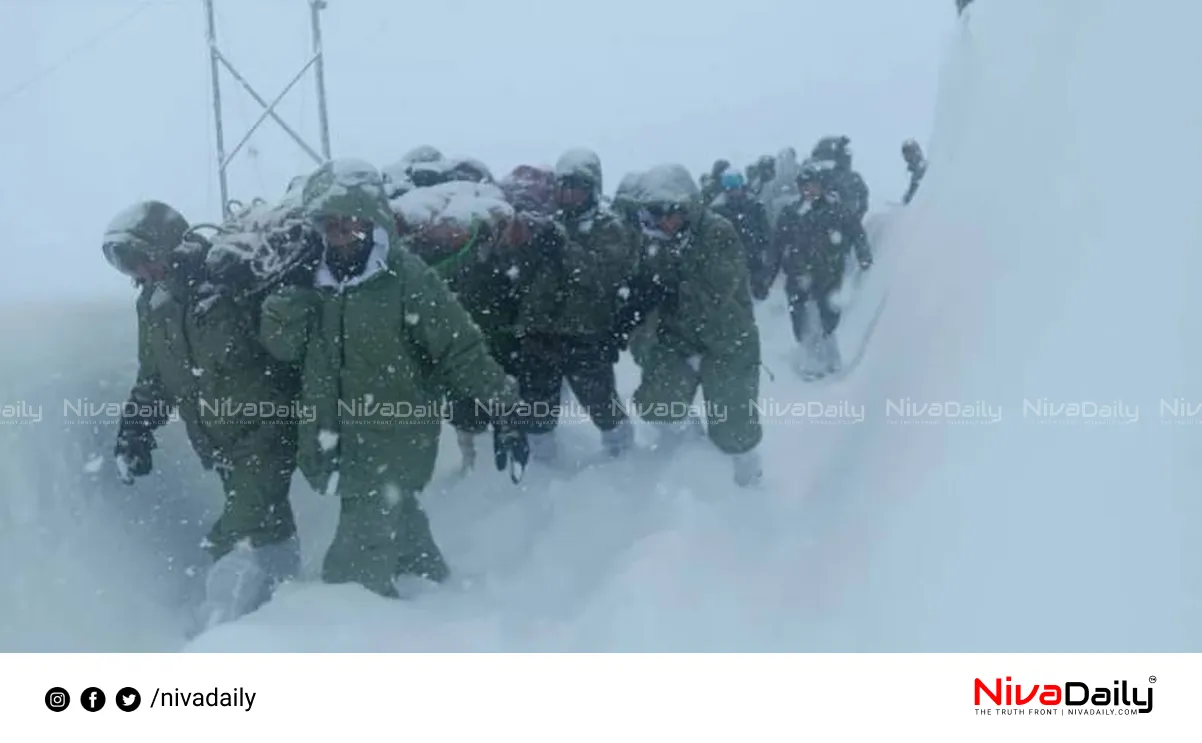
(657, 212)
(732, 181)
(128, 254)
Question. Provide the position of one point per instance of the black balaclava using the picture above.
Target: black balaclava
(345, 262)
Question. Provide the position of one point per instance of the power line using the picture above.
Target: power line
(78, 50)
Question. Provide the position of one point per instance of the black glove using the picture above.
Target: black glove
(133, 455)
(510, 449)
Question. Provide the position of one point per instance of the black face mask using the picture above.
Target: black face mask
(348, 262)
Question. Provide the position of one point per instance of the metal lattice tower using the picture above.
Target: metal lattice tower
(316, 62)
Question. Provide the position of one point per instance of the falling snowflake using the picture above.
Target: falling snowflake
(327, 440)
(392, 495)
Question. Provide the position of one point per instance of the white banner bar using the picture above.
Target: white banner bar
(561, 698)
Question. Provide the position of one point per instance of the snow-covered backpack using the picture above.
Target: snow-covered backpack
(260, 247)
(448, 223)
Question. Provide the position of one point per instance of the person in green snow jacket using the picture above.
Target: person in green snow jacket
(567, 319)
(487, 265)
(693, 285)
(626, 203)
(380, 339)
(750, 220)
(198, 354)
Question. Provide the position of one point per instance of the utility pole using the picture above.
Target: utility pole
(217, 60)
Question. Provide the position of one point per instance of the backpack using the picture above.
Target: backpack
(261, 247)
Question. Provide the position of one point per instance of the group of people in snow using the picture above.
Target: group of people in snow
(377, 305)
(803, 220)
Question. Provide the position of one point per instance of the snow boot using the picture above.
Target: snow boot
(812, 366)
(244, 579)
(749, 470)
(617, 441)
(831, 357)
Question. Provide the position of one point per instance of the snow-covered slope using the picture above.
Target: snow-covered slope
(88, 564)
(1032, 265)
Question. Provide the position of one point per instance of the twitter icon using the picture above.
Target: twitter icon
(128, 699)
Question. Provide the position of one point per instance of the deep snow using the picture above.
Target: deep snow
(1031, 265)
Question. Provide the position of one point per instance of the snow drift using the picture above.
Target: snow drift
(1030, 266)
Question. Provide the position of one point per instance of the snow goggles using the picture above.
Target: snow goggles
(656, 212)
(127, 254)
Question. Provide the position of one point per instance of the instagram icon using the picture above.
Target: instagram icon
(57, 699)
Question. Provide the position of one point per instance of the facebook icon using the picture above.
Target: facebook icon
(92, 699)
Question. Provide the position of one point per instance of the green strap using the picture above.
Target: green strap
(447, 266)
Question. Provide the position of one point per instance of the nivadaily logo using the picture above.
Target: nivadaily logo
(1072, 697)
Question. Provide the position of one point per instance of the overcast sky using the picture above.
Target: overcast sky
(93, 119)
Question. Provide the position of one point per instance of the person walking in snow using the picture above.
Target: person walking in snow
(750, 220)
(759, 175)
(711, 182)
(916, 164)
(811, 245)
(567, 318)
(379, 339)
(834, 154)
(781, 191)
(198, 355)
(489, 271)
(626, 202)
(689, 323)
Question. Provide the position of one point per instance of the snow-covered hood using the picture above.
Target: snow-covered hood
(630, 185)
(580, 162)
(151, 222)
(669, 184)
(346, 188)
